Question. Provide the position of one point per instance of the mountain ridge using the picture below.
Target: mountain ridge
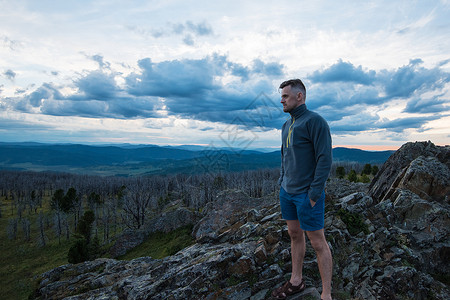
(152, 159)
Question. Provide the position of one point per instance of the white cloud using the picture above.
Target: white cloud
(79, 57)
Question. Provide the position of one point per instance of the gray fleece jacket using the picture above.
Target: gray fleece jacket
(306, 154)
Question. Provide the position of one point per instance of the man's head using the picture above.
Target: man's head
(293, 94)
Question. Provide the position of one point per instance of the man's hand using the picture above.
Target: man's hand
(312, 203)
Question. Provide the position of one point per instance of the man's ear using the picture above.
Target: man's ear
(300, 96)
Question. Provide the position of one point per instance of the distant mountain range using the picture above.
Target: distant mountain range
(129, 160)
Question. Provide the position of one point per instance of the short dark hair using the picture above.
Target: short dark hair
(295, 84)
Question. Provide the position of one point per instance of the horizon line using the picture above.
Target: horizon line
(370, 147)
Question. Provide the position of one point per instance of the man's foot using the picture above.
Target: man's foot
(288, 289)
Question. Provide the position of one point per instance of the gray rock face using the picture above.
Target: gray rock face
(393, 171)
(225, 211)
(427, 177)
(174, 217)
(243, 249)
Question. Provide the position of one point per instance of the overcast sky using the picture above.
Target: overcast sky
(207, 72)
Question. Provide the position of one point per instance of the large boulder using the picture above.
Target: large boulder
(428, 178)
(173, 217)
(226, 210)
(394, 170)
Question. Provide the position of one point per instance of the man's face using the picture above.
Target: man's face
(290, 99)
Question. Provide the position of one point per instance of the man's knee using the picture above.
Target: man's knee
(294, 230)
(319, 245)
(318, 242)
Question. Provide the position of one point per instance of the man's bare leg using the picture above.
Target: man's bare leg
(297, 236)
(324, 260)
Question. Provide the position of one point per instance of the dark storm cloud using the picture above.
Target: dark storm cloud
(342, 92)
(10, 74)
(17, 125)
(201, 28)
(343, 72)
(192, 88)
(97, 85)
(75, 108)
(412, 78)
(434, 104)
(178, 78)
(101, 63)
(365, 122)
(402, 83)
(189, 31)
(398, 125)
(216, 89)
(269, 69)
(45, 92)
(355, 123)
(116, 108)
(191, 85)
(98, 96)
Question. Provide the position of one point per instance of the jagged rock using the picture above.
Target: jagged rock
(243, 248)
(337, 188)
(170, 220)
(126, 241)
(388, 177)
(226, 211)
(428, 178)
(260, 254)
(357, 202)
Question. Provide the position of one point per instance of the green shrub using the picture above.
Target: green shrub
(79, 252)
(340, 172)
(352, 176)
(353, 221)
(364, 179)
(84, 248)
(367, 169)
(374, 170)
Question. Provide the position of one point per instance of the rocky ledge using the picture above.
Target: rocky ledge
(389, 239)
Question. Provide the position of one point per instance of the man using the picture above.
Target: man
(305, 165)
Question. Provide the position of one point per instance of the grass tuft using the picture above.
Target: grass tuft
(160, 244)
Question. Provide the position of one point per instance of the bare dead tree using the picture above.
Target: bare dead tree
(136, 201)
(11, 229)
(41, 226)
(26, 228)
(57, 225)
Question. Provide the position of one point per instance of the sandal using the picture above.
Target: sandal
(288, 289)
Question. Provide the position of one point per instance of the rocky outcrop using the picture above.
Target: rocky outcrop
(174, 216)
(225, 212)
(388, 242)
(426, 167)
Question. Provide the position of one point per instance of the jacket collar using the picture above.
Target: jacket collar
(298, 111)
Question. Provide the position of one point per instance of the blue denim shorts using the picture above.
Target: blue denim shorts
(298, 207)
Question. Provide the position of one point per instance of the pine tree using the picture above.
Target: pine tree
(340, 172)
(367, 169)
(374, 170)
(352, 176)
(84, 248)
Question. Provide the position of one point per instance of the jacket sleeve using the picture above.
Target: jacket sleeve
(280, 180)
(321, 137)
